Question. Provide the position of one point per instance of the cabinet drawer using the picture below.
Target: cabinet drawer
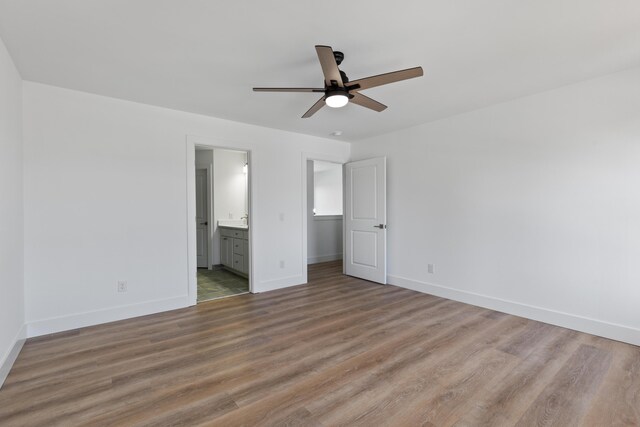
(238, 246)
(231, 232)
(238, 262)
(225, 232)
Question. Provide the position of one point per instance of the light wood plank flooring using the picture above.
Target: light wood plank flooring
(340, 351)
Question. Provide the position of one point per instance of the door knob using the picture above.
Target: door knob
(380, 226)
(204, 223)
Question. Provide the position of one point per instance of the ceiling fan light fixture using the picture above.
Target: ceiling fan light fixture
(338, 91)
(336, 99)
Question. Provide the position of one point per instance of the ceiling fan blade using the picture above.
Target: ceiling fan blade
(329, 66)
(367, 102)
(288, 89)
(383, 79)
(314, 108)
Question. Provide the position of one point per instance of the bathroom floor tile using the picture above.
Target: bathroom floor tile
(219, 283)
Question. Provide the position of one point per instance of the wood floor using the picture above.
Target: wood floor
(339, 351)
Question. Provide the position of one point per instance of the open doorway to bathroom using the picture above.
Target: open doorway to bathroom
(324, 213)
(222, 222)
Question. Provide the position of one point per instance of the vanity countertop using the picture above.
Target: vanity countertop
(237, 225)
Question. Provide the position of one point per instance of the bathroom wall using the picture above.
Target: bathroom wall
(204, 158)
(230, 197)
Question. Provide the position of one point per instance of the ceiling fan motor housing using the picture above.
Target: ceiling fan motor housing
(339, 56)
(332, 91)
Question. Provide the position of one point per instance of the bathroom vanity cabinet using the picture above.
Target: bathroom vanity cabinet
(234, 249)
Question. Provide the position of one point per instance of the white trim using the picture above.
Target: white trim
(328, 217)
(192, 250)
(191, 142)
(344, 222)
(325, 158)
(80, 320)
(566, 320)
(12, 354)
(283, 282)
(324, 258)
(210, 219)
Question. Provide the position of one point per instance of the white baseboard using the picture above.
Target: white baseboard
(12, 354)
(566, 320)
(284, 282)
(79, 320)
(324, 258)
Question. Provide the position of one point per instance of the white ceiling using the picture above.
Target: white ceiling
(205, 56)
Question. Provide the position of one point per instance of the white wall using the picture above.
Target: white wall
(324, 234)
(327, 178)
(531, 206)
(229, 191)
(11, 209)
(105, 200)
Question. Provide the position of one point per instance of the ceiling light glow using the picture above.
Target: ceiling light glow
(337, 100)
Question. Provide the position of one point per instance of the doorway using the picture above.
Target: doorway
(363, 248)
(324, 212)
(221, 222)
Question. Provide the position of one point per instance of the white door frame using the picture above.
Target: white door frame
(323, 158)
(192, 265)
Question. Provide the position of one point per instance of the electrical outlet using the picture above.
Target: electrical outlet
(122, 286)
(430, 268)
(281, 263)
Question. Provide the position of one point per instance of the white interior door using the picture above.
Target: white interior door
(365, 219)
(202, 218)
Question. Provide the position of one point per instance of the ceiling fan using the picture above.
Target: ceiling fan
(338, 90)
